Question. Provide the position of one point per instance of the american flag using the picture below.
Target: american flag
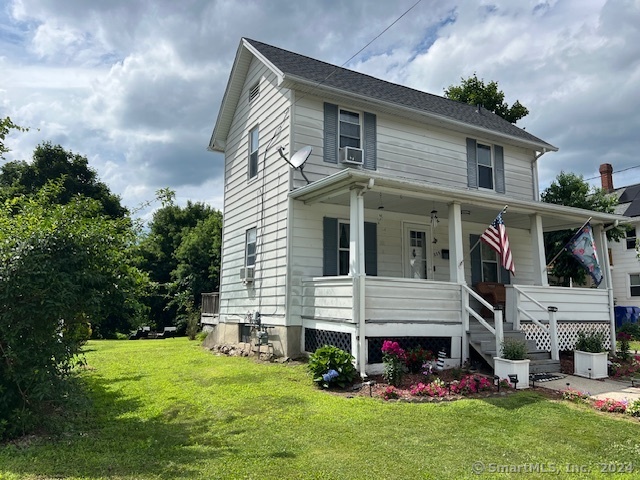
(496, 237)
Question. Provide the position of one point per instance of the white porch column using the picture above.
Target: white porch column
(537, 249)
(456, 252)
(602, 248)
(356, 270)
(456, 271)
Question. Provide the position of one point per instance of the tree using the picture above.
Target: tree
(571, 190)
(52, 162)
(63, 268)
(181, 254)
(474, 91)
(6, 125)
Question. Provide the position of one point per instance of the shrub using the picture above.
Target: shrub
(632, 329)
(514, 349)
(624, 340)
(416, 357)
(329, 359)
(393, 358)
(610, 405)
(592, 342)
(633, 408)
(575, 396)
(390, 393)
(61, 266)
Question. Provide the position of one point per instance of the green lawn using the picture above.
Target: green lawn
(169, 409)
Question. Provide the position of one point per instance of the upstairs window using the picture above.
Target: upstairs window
(250, 247)
(349, 129)
(631, 238)
(485, 167)
(254, 144)
(634, 284)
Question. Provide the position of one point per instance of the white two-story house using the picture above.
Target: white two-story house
(376, 242)
(625, 268)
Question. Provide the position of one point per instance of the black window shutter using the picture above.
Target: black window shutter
(472, 164)
(476, 260)
(330, 133)
(370, 141)
(330, 246)
(371, 248)
(499, 168)
(505, 276)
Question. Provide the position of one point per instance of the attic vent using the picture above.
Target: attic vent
(254, 93)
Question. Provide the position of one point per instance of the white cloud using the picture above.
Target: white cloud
(136, 86)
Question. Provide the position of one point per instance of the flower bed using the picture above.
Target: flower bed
(446, 385)
(610, 405)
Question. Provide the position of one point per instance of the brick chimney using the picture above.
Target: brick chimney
(606, 176)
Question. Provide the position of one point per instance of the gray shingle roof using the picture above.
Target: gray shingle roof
(630, 200)
(349, 81)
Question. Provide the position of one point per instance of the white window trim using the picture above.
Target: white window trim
(246, 247)
(635, 239)
(493, 165)
(360, 124)
(630, 285)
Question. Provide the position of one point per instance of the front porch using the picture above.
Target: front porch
(420, 284)
(444, 312)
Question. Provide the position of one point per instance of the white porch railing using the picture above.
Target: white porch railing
(551, 329)
(497, 331)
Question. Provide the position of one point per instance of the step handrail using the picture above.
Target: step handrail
(551, 329)
(498, 330)
(542, 307)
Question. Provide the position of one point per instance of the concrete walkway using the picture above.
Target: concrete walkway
(599, 389)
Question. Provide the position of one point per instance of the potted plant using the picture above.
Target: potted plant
(513, 361)
(590, 356)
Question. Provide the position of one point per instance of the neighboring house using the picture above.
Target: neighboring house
(377, 245)
(625, 267)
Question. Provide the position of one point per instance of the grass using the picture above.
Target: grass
(169, 409)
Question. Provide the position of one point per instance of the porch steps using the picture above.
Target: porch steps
(484, 343)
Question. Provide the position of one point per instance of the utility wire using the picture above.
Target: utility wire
(615, 171)
(362, 49)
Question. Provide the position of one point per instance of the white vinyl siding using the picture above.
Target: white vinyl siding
(253, 204)
(409, 149)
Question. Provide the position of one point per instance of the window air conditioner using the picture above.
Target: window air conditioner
(246, 274)
(351, 156)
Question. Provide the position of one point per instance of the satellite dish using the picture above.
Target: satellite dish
(298, 159)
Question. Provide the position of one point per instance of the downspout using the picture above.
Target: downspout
(534, 172)
(605, 255)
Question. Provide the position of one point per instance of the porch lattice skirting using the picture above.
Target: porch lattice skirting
(315, 338)
(567, 334)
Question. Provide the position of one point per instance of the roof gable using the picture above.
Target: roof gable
(301, 69)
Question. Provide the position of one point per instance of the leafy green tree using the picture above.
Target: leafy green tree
(61, 267)
(571, 190)
(6, 125)
(52, 162)
(181, 253)
(474, 91)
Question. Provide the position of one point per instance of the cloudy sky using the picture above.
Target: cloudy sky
(135, 85)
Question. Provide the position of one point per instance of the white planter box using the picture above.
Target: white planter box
(590, 365)
(503, 368)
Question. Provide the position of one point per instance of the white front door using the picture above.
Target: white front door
(416, 251)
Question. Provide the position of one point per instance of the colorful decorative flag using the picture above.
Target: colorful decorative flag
(583, 248)
(496, 237)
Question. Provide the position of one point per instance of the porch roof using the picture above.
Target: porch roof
(415, 197)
